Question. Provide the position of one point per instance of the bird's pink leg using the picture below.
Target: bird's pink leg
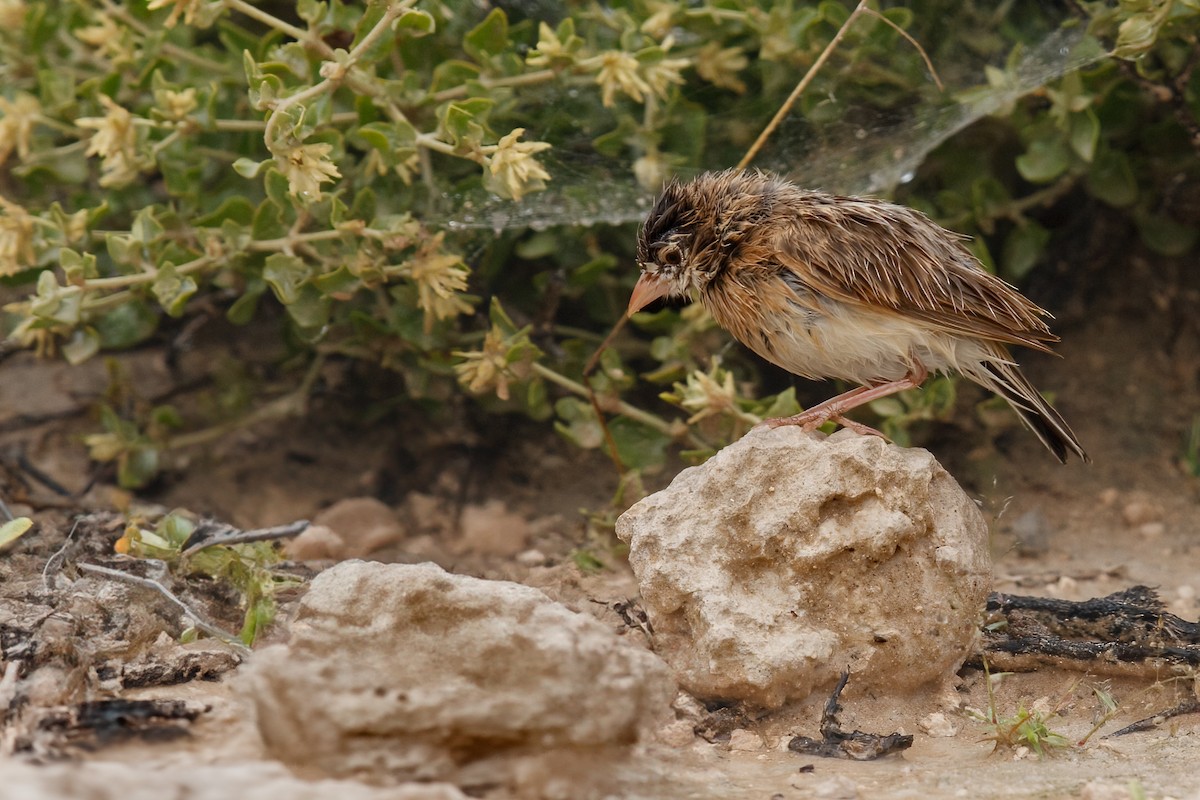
(835, 408)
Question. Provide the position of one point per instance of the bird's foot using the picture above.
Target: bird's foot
(860, 429)
(809, 421)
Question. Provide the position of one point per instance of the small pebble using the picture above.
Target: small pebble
(531, 558)
(744, 741)
(938, 725)
(1137, 512)
(1152, 530)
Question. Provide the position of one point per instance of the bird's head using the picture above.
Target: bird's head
(691, 232)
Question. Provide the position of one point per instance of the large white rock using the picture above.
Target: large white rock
(410, 672)
(789, 557)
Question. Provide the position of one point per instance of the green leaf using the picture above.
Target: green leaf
(1137, 33)
(310, 309)
(269, 221)
(464, 120)
(249, 168)
(77, 267)
(83, 344)
(14, 529)
(339, 284)
(127, 325)
(1023, 248)
(1166, 236)
(1111, 179)
(136, 468)
(146, 228)
(415, 23)
(121, 247)
(285, 274)
(54, 303)
(277, 187)
(238, 209)
(310, 11)
(783, 404)
(638, 446)
(1045, 160)
(488, 38)
(172, 289)
(1085, 133)
(242, 310)
(579, 425)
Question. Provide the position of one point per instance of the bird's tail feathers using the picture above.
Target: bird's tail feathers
(1004, 378)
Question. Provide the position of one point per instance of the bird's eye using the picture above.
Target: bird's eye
(670, 256)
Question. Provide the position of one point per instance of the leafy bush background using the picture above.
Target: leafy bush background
(332, 161)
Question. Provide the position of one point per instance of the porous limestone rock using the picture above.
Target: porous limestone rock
(790, 556)
(398, 671)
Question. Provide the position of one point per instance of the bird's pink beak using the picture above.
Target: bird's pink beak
(648, 289)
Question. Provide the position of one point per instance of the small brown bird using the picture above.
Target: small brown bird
(843, 287)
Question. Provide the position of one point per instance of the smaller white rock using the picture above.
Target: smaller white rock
(397, 671)
(938, 725)
(744, 741)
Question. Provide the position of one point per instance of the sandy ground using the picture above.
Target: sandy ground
(507, 506)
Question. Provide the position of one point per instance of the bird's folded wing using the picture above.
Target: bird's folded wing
(892, 260)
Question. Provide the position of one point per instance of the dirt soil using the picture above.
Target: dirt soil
(506, 504)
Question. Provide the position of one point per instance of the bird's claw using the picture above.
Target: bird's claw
(809, 422)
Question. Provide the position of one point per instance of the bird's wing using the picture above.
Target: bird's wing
(891, 258)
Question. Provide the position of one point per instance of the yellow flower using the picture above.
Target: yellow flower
(658, 24)
(651, 171)
(439, 277)
(115, 140)
(16, 127)
(549, 48)
(512, 169)
(487, 368)
(664, 72)
(16, 238)
(617, 71)
(177, 105)
(109, 38)
(720, 66)
(710, 394)
(187, 8)
(306, 167)
(12, 14)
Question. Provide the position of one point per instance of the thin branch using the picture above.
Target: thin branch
(291, 404)
(55, 563)
(121, 281)
(801, 86)
(928, 64)
(786, 108)
(672, 429)
(524, 79)
(148, 583)
(272, 21)
(225, 535)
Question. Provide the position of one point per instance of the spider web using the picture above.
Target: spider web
(872, 155)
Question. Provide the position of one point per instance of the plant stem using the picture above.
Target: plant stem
(672, 429)
(524, 79)
(801, 86)
(122, 281)
(292, 404)
(272, 21)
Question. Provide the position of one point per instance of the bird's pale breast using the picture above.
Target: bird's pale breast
(818, 337)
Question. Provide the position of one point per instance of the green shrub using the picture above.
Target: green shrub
(339, 161)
